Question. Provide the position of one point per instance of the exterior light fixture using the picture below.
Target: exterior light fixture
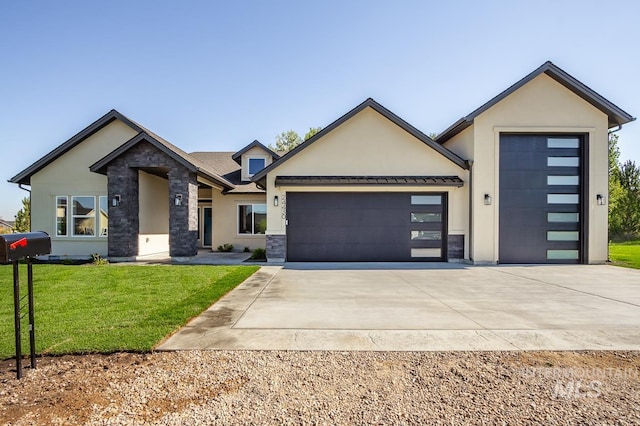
(275, 200)
(487, 200)
(116, 200)
(601, 199)
(178, 199)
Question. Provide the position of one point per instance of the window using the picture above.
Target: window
(425, 217)
(255, 165)
(61, 216)
(84, 216)
(425, 235)
(252, 218)
(104, 216)
(426, 200)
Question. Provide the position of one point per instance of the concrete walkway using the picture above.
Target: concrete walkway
(418, 307)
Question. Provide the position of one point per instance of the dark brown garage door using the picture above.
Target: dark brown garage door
(366, 227)
(541, 199)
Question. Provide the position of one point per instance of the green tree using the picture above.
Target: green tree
(626, 211)
(286, 141)
(23, 217)
(312, 131)
(615, 189)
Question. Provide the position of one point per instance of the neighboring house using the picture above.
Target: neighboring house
(6, 227)
(522, 179)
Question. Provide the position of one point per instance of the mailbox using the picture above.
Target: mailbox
(18, 246)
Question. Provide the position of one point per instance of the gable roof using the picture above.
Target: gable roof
(237, 157)
(225, 166)
(617, 116)
(368, 103)
(191, 163)
(24, 177)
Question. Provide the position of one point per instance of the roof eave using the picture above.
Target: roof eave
(368, 103)
(24, 177)
(100, 166)
(616, 115)
(237, 157)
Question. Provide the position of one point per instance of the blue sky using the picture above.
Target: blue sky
(213, 75)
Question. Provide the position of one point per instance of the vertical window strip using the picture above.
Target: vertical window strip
(62, 216)
(104, 216)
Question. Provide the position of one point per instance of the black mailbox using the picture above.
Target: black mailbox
(18, 246)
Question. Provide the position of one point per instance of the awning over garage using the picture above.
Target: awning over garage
(453, 181)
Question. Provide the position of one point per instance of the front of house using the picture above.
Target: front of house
(522, 179)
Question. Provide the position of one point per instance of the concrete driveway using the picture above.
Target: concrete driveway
(423, 307)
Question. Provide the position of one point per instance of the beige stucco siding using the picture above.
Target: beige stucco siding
(541, 106)
(69, 175)
(153, 202)
(462, 144)
(225, 221)
(368, 144)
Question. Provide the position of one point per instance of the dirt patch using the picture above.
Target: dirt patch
(260, 387)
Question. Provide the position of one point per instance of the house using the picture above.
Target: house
(522, 179)
(6, 226)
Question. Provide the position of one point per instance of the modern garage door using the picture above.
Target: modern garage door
(541, 199)
(366, 227)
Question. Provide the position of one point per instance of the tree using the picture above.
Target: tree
(23, 217)
(286, 141)
(626, 212)
(615, 189)
(312, 131)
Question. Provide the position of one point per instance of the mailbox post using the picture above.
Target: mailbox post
(15, 247)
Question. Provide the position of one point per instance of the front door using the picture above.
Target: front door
(206, 229)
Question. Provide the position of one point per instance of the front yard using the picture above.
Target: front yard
(625, 254)
(109, 308)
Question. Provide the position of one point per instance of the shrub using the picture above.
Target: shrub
(225, 248)
(96, 259)
(247, 250)
(259, 254)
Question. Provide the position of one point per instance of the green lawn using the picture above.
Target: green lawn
(108, 308)
(625, 254)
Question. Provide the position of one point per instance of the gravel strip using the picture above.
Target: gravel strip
(254, 387)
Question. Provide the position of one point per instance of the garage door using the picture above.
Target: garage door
(541, 199)
(366, 227)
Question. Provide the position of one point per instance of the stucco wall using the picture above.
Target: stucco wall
(225, 221)
(368, 145)
(541, 106)
(69, 175)
(462, 144)
(154, 214)
(154, 204)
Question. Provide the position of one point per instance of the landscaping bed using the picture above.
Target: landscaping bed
(242, 387)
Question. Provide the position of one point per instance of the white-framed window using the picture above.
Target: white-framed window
(62, 216)
(255, 165)
(252, 219)
(103, 216)
(83, 221)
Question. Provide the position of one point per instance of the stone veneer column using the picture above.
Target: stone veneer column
(276, 248)
(124, 222)
(183, 219)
